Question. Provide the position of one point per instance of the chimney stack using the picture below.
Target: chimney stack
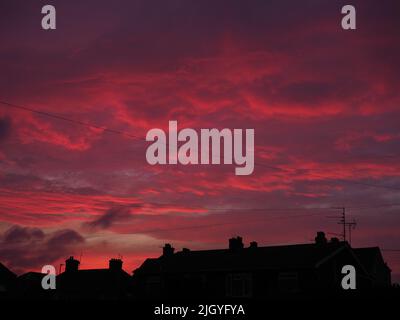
(253, 245)
(320, 239)
(71, 264)
(168, 250)
(236, 243)
(115, 264)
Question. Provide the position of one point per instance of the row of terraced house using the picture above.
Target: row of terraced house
(238, 271)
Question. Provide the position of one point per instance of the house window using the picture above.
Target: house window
(288, 282)
(239, 285)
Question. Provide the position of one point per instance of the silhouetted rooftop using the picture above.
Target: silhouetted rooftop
(93, 273)
(272, 257)
(6, 273)
(369, 256)
(33, 276)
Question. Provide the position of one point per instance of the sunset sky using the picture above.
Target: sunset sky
(324, 103)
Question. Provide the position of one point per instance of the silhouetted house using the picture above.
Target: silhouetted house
(29, 285)
(111, 283)
(250, 272)
(8, 281)
(372, 260)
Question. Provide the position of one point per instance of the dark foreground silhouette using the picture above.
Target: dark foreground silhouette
(238, 273)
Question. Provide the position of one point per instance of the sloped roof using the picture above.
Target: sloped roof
(94, 275)
(95, 272)
(369, 257)
(32, 276)
(101, 282)
(274, 257)
(5, 274)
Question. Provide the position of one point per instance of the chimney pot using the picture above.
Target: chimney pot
(71, 264)
(115, 264)
(168, 250)
(253, 244)
(320, 239)
(236, 243)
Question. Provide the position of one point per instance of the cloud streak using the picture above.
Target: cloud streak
(110, 218)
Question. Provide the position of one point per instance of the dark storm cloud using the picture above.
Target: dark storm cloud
(110, 217)
(62, 237)
(21, 234)
(26, 248)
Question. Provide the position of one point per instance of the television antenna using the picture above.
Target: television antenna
(345, 224)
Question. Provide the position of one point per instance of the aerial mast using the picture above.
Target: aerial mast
(350, 225)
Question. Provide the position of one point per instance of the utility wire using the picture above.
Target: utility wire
(78, 122)
(106, 129)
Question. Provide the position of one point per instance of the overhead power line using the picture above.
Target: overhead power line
(129, 135)
(77, 122)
